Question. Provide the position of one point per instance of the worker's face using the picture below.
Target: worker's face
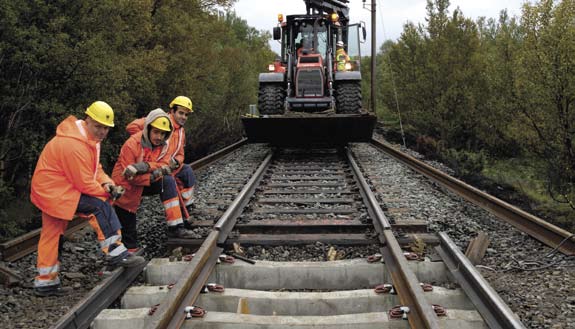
(97, 130)
(157, 136)
(180, 115)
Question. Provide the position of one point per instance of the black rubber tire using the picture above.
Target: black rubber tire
(271, 99)
(348, 97)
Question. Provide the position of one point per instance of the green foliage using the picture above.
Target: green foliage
(57, 57)
(499, 87)
(466, 164)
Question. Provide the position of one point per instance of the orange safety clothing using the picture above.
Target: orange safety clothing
(68, 166)
(48, 265)
(132, 152)
(138, 148)
(176, 143)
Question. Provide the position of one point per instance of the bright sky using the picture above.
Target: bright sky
(262, 14)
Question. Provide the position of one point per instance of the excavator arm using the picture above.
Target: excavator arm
(328, 6)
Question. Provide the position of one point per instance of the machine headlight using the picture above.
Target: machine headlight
(348, 66)
(271, 67)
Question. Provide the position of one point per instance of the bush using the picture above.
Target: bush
(467, 165)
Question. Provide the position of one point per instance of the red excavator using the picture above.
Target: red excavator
(311, 94)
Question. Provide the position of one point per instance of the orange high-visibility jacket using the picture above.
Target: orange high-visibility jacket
(137, 149)
(132, 152)
(68, 166)
(176, 143)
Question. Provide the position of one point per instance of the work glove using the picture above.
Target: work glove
(115, 191)
(174, 163)
(134, 169)
(159, 173)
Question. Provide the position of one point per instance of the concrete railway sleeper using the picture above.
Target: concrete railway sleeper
(212, 290)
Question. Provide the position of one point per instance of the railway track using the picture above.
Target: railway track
(323, 198)
(295, 200)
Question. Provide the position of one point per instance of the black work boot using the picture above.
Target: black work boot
(126, 259)
(54, 290)
(179, 231)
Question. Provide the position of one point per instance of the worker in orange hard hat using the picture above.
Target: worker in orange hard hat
(180, 108)
(69, 179)
(144, 167)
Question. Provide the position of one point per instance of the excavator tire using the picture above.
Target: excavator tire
(348, 97)
(271, 99)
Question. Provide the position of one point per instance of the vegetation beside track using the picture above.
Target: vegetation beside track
(492, 98)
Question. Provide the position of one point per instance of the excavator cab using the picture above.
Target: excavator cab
(306, 98)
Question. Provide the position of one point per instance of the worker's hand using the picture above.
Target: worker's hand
(114, 191)
(117, 192)
(166, 170)
(107, 187)
(174, 163)
(159, 173)
(134, 169)
(155, 175)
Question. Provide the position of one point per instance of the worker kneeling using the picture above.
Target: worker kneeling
(69, 179)
(144, 169)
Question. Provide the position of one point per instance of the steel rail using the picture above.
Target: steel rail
(211, 158)
(104, 294)
(26, 244)
(488, 303)
(186, 290)
(549, 234)
(421, 313)
(226, 223)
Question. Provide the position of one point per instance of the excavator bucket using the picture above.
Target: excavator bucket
(309, 129)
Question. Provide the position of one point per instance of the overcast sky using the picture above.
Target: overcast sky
(262, 14)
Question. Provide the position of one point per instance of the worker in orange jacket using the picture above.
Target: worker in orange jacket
(180, 109)
(144, 168)
(69, 179)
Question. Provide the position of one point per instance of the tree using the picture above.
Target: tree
(545, 89)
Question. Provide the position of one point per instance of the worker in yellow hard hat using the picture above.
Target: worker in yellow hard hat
(143, 168)
(69, 180)
(180, 109)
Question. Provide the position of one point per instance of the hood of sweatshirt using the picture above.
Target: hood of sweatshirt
(153, 115)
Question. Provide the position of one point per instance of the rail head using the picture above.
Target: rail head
(491, 307)
(409, 290)
(547, 233)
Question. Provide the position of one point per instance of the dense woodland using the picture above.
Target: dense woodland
(56, 57)
(476, 94)
(489, 94)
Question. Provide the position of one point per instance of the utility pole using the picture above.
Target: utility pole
(373, 55)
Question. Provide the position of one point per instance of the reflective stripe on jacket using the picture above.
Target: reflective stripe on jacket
(68, 166)
(176, 144)
(341, 58)
(132, 152)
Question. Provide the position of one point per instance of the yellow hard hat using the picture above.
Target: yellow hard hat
(162, 123)
(182, 101)
(102, 113)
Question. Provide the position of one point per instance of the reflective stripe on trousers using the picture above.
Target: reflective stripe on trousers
(103, 220)
(167, 189)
